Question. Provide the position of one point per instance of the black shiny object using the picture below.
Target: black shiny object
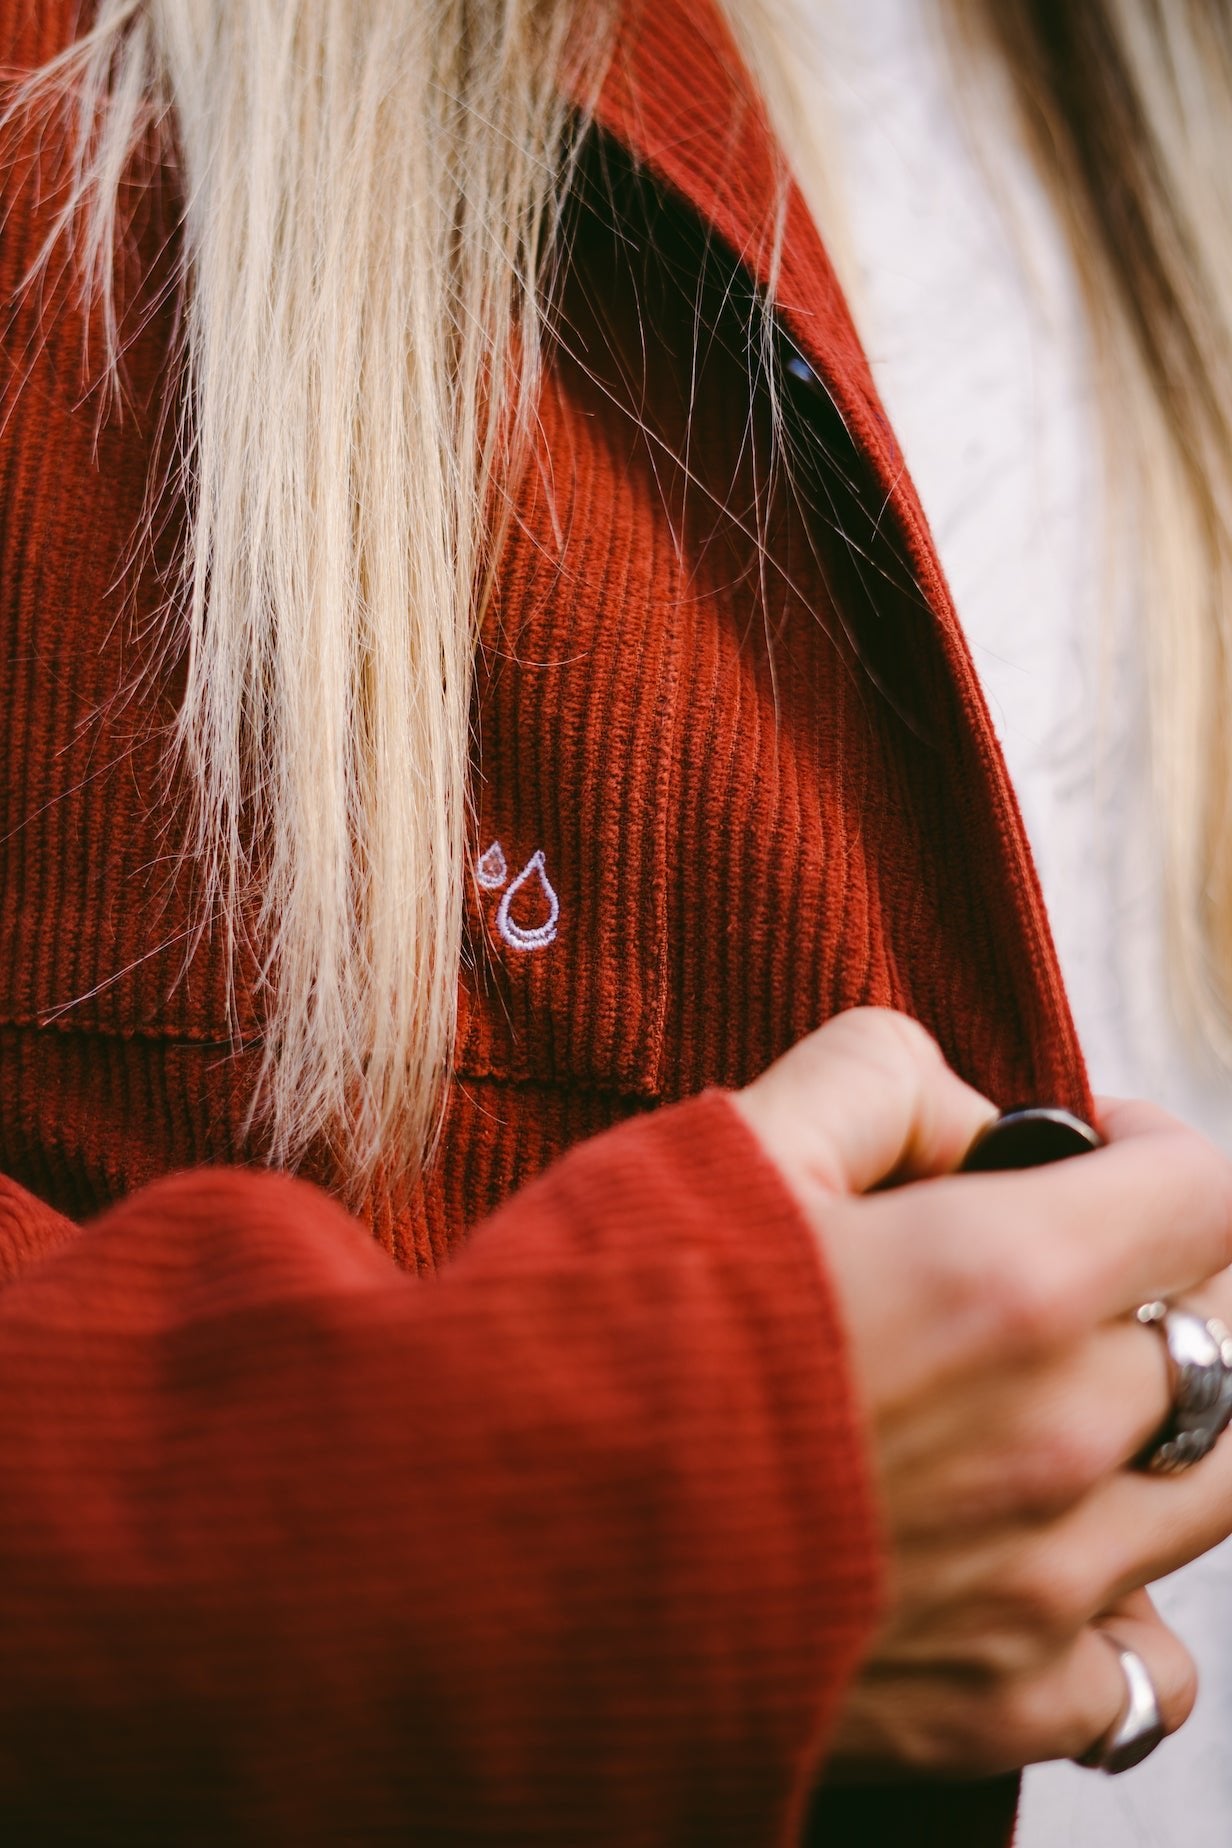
(1029, 1138)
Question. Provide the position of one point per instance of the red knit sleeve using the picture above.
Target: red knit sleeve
(572, 1543)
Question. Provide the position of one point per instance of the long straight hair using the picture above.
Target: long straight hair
(1127, 107)
(370, 191)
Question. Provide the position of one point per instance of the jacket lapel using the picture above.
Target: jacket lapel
(677, 95)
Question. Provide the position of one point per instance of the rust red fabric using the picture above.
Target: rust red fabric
(533, 1508)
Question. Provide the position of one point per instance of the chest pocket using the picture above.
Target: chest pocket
(671, 764)
(566, 900)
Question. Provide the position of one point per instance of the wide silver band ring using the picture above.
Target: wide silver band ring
(1139, 1727)
(1199, 1350)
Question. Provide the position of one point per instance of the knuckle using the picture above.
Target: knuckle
(1029, 1301)
(1052, 1596)
(1004, 1306)
(888, 1036)
(1061, 1466)
(1024, 1718)
(1045, 1723)
(910, 1035)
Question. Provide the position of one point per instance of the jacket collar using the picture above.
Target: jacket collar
(678, 95)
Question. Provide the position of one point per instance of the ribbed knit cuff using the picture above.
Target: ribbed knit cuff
(755, 1225)
(819, 1343)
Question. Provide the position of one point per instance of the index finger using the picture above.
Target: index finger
(1149, 1215)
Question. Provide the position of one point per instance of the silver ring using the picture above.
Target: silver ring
(1199, 1353)
(1138, 1729)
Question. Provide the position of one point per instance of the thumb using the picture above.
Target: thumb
(865, 1100)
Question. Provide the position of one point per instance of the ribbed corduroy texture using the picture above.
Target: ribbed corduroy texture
(574, 1544)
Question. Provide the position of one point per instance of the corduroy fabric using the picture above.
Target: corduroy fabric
(744, 834)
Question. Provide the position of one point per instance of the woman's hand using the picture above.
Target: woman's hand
(1006, 1389)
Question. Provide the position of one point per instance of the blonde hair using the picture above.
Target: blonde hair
(1127, 106)
(370, 192)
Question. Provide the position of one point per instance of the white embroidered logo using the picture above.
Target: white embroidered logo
(491, 872)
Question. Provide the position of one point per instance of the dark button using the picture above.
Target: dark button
(797, 367)
(1030, 1138)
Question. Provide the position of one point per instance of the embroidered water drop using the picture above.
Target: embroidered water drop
(521, 936)
(491, 871)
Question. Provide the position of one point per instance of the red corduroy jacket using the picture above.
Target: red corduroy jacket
(536, 1510)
